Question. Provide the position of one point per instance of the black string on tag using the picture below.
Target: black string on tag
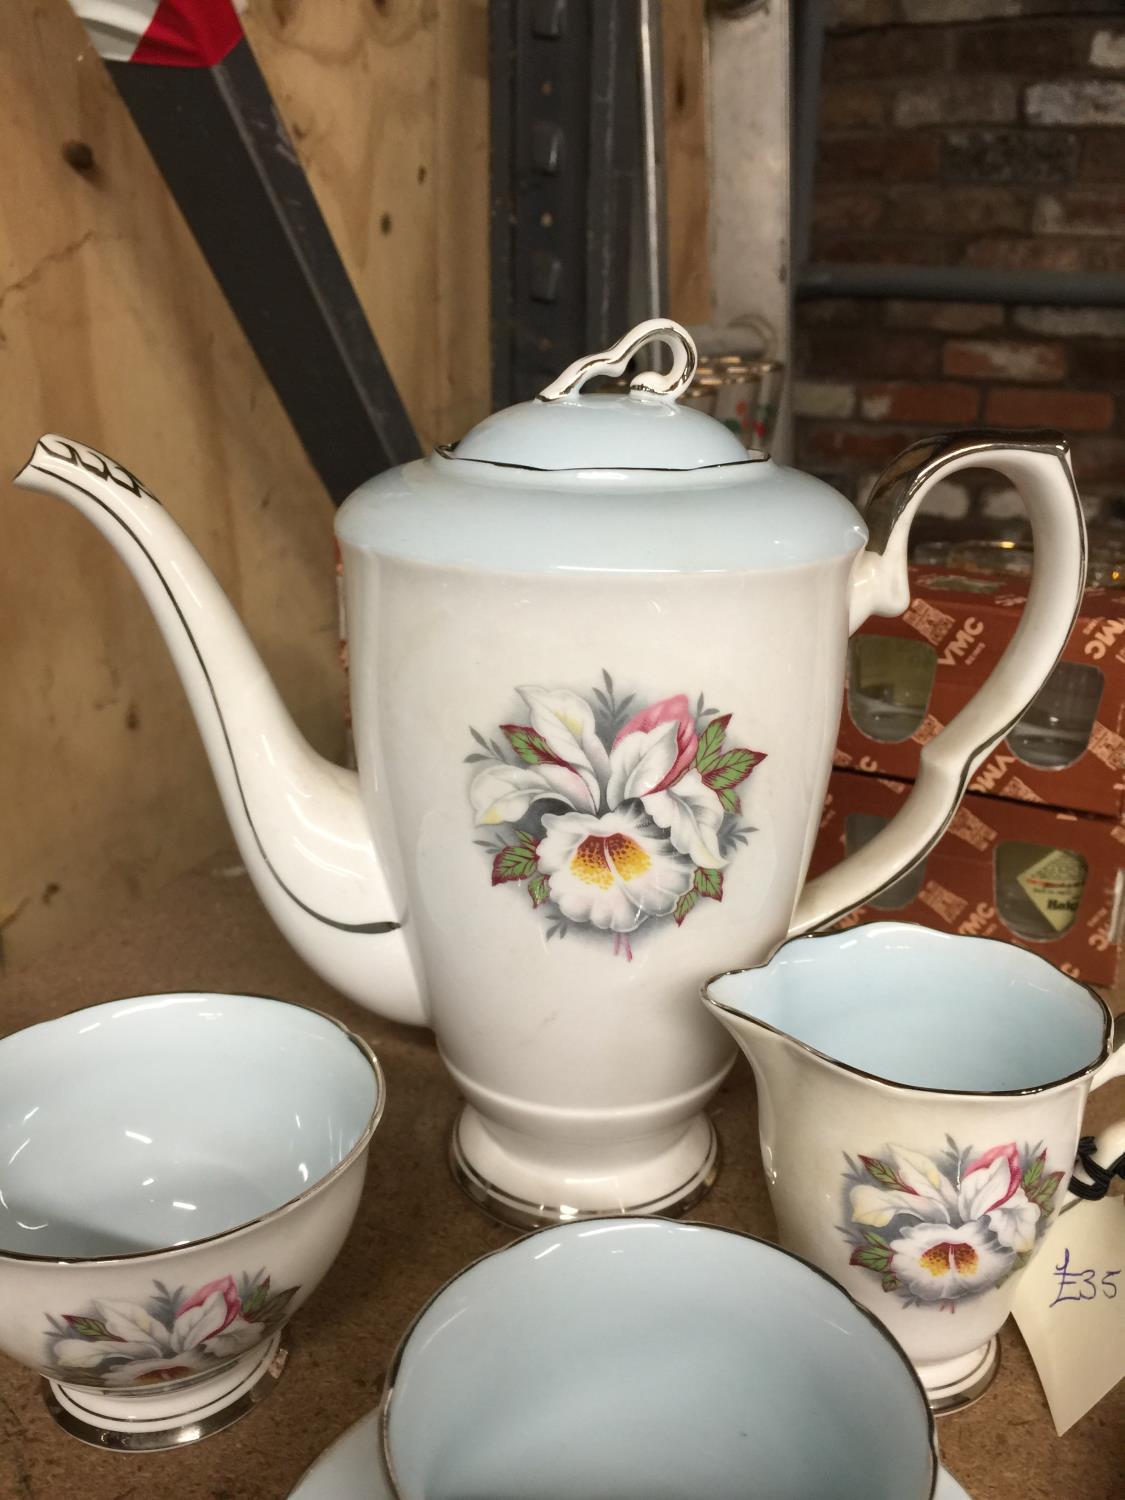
(1100, 1177)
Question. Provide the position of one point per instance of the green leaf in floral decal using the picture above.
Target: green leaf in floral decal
(538, 888)
(252, 1306)
(709, 883)
(1044, 1192)
(514, 862)
(531, 747)
(890, 1281)
(729, 799)
(1034, 1173)
(274, 1309)
(684, 905)
(882, 1174)
(710, 745)
(871, 1257)
(731, 768)
(89, 1328)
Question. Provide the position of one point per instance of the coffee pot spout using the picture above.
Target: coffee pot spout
(299, 820)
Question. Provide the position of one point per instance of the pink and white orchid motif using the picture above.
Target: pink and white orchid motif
(167, 1338)
(611, 871)
(938, 1231)
(612, 819)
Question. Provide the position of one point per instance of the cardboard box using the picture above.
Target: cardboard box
(997, 872)
(956, 629)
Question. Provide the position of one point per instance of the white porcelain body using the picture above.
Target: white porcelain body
(259, 1111)
(978, 1020)
(542, 1370)
(567, 1042)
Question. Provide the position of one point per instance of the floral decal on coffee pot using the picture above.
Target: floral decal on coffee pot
(613, 815)
(938, 1230)
(168, 1337)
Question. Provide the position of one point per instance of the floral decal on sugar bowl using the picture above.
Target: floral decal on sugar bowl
(939, 1230)
(613, 815)
(170, 1336)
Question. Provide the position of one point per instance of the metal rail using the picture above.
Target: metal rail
(963, 284)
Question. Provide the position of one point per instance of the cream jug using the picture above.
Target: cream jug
(597, 658)
(920, 1099)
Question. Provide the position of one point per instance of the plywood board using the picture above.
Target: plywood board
(112, 330)
(388, 107)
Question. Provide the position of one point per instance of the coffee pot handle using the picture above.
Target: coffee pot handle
(1037, 463)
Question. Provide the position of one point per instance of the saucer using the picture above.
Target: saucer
(350, 1470)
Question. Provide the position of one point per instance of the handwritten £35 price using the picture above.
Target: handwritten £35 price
(1084, 1285)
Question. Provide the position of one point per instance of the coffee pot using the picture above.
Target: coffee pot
(597, 657)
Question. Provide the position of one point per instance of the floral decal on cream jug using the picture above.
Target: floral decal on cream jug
(939, 1229)
(614, 815)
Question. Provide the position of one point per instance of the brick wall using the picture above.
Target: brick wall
(979, 133)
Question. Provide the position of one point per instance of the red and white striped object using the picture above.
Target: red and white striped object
(169, 33)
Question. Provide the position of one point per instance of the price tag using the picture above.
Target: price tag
(1070, 1307)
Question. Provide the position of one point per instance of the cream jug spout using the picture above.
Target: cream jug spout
(299, 819)
(742, 1001)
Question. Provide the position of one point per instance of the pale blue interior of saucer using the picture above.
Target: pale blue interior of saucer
(930, 1009)
(153, 1122)
(637, 1359)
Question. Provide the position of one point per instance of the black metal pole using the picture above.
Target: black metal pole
(197, 95)
(565, 157)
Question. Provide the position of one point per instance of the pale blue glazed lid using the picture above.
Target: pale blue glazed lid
(634, 431)
(563, 429)
(606, 483)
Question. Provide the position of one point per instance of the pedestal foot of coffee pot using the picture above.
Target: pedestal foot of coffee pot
(158, 1418)
(529, 1193)
(954, 1384)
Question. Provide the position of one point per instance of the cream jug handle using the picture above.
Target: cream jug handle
(1104, 1157)
(1037, 464)
(1114, 1065)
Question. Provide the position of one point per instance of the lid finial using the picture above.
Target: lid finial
(612, 361)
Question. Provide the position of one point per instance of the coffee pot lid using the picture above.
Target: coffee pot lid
(623, 483)
(644, 428)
